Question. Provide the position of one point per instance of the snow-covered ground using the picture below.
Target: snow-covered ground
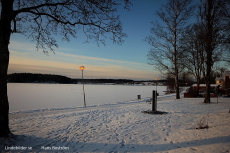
(28, 96)
(123, 128)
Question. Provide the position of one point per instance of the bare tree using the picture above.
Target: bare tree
(213, 22)
(186, 78)
(166, 54)
(41, 20)
(170, 83)
(193, 47)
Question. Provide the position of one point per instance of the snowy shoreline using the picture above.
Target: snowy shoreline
(123, 128)
(159, 98)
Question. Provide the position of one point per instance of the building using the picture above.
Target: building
(220, 81)
(192, 92)
(203, 86)
(224, 81)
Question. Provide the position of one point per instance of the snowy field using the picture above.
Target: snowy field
(123, 128)
(28, 96)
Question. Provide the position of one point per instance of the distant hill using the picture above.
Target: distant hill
(38, 78)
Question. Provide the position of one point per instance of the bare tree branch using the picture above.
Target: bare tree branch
(96, 18)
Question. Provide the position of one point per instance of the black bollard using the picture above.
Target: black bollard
(154, 101)
(138, 96)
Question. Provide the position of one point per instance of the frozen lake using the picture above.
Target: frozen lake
(28, 96)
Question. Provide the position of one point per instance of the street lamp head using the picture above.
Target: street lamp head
(82, 68)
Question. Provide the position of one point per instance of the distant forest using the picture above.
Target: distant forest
(38, 78)
(52, 78)
(114, 81)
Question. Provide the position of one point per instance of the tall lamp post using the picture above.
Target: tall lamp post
(82, 68)
(156, 83)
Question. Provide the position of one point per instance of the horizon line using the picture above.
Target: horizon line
(85, 78)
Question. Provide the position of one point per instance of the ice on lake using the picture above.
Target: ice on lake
(28, 96)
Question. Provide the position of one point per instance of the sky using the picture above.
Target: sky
(126, 61)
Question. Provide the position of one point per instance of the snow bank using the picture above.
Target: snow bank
(123, 128)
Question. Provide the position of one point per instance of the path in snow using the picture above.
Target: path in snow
(123, 128)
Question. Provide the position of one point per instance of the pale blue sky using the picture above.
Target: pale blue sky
(126, 61)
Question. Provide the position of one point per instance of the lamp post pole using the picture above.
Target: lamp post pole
(156, 84)
(82, 68)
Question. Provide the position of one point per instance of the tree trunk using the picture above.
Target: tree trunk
(207, 92)
(209, 49)
(198, 86)
(177, 85)
(207, 75)
(4, 109)
(208, 70)
(5, 32)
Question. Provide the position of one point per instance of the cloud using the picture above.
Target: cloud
(25, 60)
(91, 71)
(105, 62)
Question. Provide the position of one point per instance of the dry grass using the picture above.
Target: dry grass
(202, 123)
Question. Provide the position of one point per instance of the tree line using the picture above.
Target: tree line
(38, 78)
(192, 38)
(53, 78)
(96, 81)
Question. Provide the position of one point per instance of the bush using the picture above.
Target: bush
(202, 123)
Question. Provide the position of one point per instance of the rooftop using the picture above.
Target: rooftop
(204, 85)
(220, 78)
(226, 73)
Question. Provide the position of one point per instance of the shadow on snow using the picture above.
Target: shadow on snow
(75, 146)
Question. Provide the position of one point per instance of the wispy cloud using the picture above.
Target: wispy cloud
(105, 62)
(24, 58)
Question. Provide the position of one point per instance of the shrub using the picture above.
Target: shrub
(202, 123)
